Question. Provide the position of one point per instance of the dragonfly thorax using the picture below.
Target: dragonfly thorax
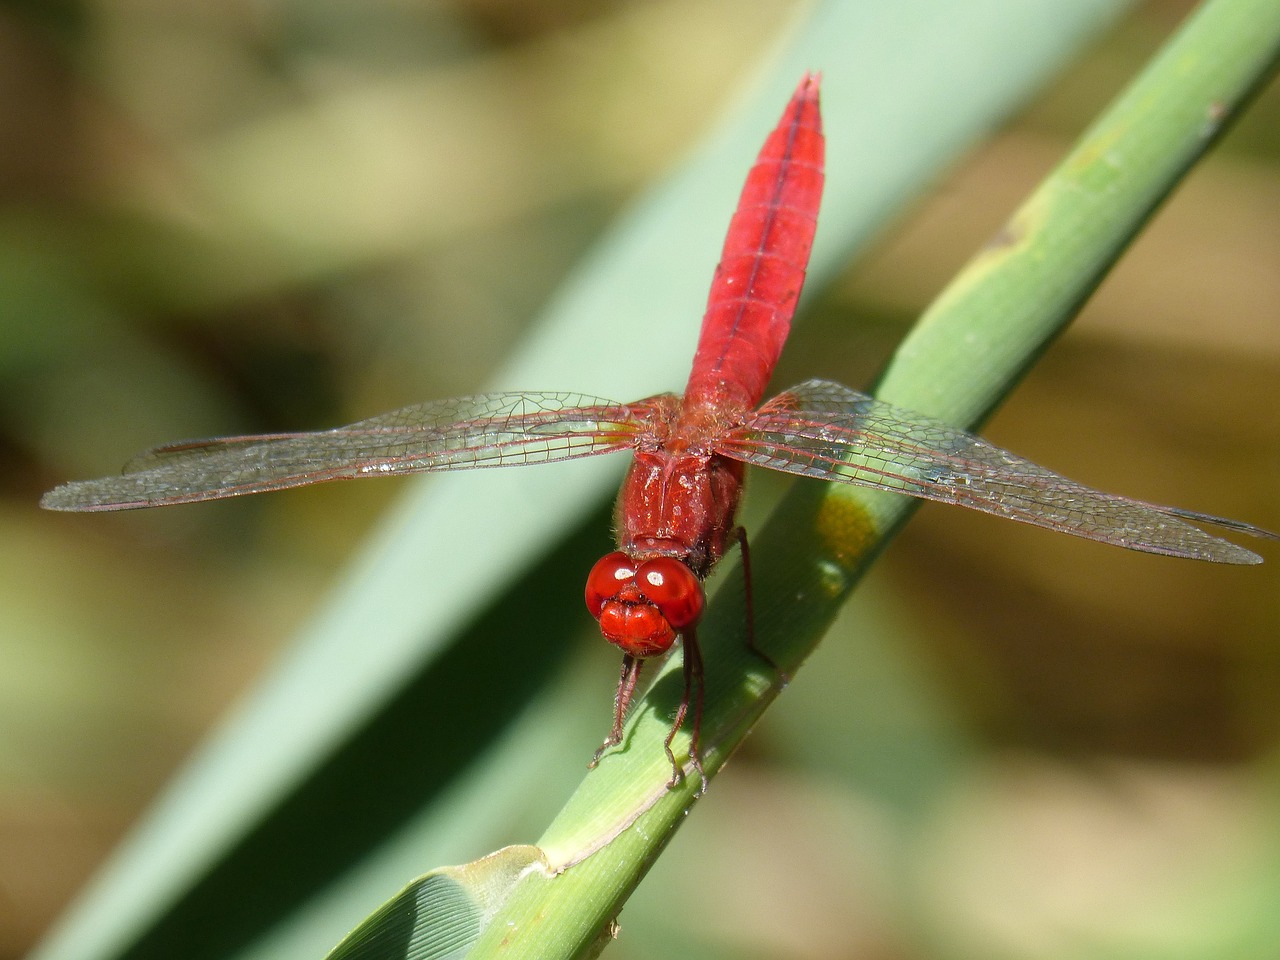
(679, 505)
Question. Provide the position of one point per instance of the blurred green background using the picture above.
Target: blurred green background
(244, 218)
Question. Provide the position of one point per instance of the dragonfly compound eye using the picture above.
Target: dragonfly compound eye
(606, 580)
(642, 608)
(673, 588)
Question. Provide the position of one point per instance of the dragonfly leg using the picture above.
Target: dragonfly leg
(693, 690)
(740, 534)
(621, 700)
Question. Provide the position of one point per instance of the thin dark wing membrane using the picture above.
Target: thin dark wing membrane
(489, 430)
(825, 430)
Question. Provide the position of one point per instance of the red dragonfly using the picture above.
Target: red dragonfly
(676, 509)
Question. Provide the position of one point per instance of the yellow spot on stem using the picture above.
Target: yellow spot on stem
(846, 529)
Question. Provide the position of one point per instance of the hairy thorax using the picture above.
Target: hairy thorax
(679, 498)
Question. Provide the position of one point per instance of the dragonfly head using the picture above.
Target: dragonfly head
(642, 607)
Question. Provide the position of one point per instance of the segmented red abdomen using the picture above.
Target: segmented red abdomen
(761, 271)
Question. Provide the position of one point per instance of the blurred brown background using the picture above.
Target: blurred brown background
(165, 273)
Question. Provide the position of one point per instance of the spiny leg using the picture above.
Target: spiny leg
(621, 700)
(694, 685)
(740, 534)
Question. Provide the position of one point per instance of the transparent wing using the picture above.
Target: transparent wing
(489, 430)
(825, 430)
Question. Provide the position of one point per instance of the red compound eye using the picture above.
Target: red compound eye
(607, 578)
(642, 608)
(673, 588)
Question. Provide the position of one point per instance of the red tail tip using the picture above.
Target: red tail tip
(809, 84)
